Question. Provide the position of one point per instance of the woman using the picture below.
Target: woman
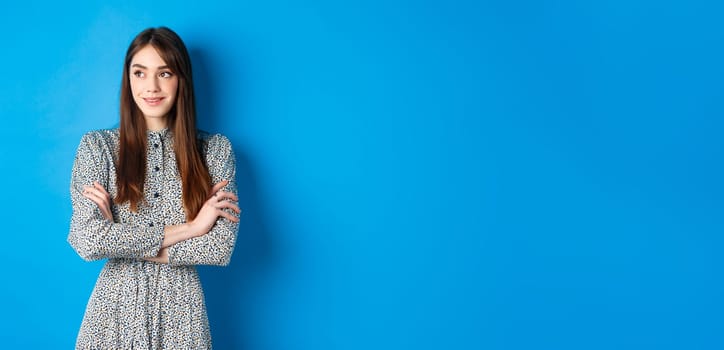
(155, 197)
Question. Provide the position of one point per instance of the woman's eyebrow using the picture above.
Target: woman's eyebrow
(144, 67)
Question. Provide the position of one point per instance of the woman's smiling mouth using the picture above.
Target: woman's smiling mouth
(153, 101)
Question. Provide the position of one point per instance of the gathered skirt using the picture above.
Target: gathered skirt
(144, 305)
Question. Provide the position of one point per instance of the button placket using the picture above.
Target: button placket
(154, 167)
(155, 164)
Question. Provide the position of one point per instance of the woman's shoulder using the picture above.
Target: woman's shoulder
(213, 141)
(99, 138)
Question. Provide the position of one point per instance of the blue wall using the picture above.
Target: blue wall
(414, 175)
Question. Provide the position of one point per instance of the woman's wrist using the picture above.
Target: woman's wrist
(161, 258)
(190, 230)
(177, 233)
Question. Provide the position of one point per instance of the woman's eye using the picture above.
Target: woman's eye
(138, 74)
(165, 75)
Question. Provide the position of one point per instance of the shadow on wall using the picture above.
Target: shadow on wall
(229, 290)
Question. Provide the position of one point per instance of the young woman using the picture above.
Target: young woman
(154, 197)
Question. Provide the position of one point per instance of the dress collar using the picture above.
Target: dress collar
(160, 133)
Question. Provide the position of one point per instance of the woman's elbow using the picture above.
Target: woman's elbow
(84, 246)
(221, 253)
(85, 251)
(222, 258)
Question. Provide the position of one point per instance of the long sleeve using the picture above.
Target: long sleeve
(91, 235)
(215, 247)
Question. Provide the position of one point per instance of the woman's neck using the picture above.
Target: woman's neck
(156, 123)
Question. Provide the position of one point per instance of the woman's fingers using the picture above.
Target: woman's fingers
(94, 193)
(227, 215)
(228, 205)
(105, 210)
(97, 190)
(107, 213)
(97, 185)
(217, 187)
(221, 195)
(93, 198)
(225, 200)
(98, 195)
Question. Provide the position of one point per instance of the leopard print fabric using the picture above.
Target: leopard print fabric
(137, 304)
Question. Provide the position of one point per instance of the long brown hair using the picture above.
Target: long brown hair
(131, 172)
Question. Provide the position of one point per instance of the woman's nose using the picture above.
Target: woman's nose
(152, 85)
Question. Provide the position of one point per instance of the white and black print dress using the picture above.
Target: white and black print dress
(137, 304)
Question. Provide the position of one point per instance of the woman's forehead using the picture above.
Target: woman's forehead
(148, 57)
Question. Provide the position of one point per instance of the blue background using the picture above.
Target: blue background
(414, 174)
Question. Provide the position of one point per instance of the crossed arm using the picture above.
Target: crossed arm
(172, 234)
(208, 239)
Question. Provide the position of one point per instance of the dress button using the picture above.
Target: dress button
(155, 145)
(155, 195)
(156, 168)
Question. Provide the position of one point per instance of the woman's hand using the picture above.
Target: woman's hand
(213, 209)
(161, 258)
(100, 197)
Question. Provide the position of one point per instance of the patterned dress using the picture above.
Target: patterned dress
(137, 304)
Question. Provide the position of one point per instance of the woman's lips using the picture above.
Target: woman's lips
(153, 102)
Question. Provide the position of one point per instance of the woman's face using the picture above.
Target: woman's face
(153, 86)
